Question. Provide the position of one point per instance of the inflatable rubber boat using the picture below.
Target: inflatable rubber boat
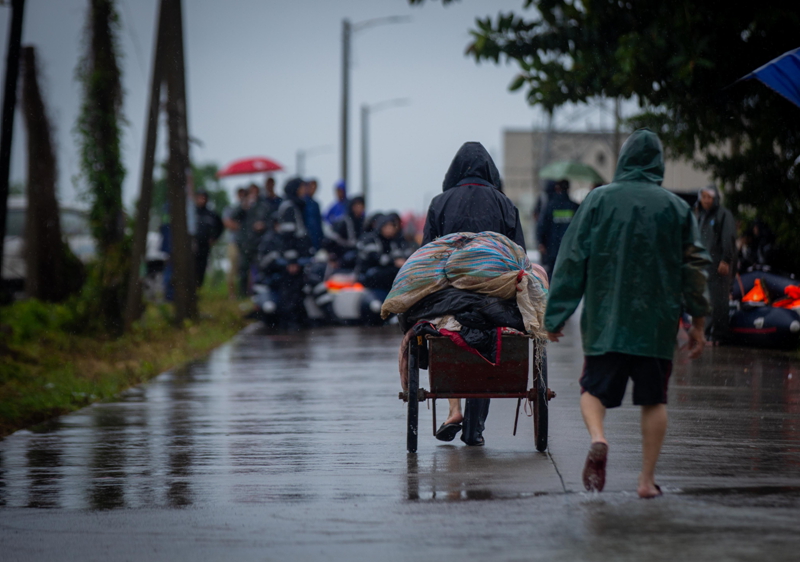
(767, 311)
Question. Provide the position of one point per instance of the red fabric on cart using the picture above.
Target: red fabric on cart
(457, 339)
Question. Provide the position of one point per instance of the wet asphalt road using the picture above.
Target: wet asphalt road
(292, 447)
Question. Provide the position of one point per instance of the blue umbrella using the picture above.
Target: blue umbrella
(782, 75)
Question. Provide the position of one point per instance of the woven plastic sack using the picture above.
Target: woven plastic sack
(486, 262)
(422, 274)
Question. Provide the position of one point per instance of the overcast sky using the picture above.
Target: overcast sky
(264, 79)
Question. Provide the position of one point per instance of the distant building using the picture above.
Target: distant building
(525, 152)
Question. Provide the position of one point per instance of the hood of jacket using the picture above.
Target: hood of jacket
(472, 161)
(388, 217)
(371, 222)
(641, 159)
(291, 188)
(711, 188)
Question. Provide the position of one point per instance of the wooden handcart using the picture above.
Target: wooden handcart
(454, 372)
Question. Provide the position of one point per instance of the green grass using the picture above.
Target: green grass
(48, 368)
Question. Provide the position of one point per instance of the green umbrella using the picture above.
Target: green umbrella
(571, 170)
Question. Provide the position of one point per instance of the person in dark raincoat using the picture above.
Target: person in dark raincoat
(255, 219)
(285, 254)
(209, 229)
(553, 224)
(313, 215)
(633, 254)
(345, 235)
(471, 201)
(757, 247)
(718, 233)
(271, 198)
(381, 254)
(371, 221)
(541, 201)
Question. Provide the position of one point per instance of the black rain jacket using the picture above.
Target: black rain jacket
(376, 255)
(472, 200)
(295, 243)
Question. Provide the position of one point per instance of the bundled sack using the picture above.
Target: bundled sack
(485, 262)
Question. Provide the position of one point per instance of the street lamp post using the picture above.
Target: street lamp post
(365, 113)
(348, 29)
(303, 153)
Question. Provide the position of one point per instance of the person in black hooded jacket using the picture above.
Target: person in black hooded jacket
(291, 249)
(471, 201)
(381, 254)
(345, 235)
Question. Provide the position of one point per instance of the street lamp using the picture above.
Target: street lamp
(365, 112)
(303, 153)
(347, 31)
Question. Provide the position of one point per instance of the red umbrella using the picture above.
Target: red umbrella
(253, 165)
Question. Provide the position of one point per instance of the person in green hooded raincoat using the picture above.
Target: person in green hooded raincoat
(633, 253)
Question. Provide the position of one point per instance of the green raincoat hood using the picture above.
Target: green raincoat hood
(641, 158)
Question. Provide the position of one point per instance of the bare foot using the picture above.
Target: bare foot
(454, 414)
(648, 489)
(594, 471)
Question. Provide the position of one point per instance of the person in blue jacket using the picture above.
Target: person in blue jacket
(339, 207)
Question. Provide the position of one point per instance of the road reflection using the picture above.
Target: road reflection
(310, 417)
(44, 471)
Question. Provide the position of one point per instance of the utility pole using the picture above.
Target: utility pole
(364, 154)
(182, 254)
(9, 103)
(303, 153)
(133, 308)
(44, 254)
(366, 110)
(348, 29)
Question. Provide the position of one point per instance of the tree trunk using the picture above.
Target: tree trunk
(133, 308)
(101, 164)
(44, 249)
(9, 103)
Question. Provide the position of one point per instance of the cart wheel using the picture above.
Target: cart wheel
(540, 417)
(413, 397)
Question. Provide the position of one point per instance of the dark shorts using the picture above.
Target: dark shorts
(606, 376)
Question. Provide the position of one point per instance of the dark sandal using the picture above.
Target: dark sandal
(594, 471)
(448, 431)
(658, 495)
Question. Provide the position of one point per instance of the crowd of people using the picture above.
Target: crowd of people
(285, 247)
